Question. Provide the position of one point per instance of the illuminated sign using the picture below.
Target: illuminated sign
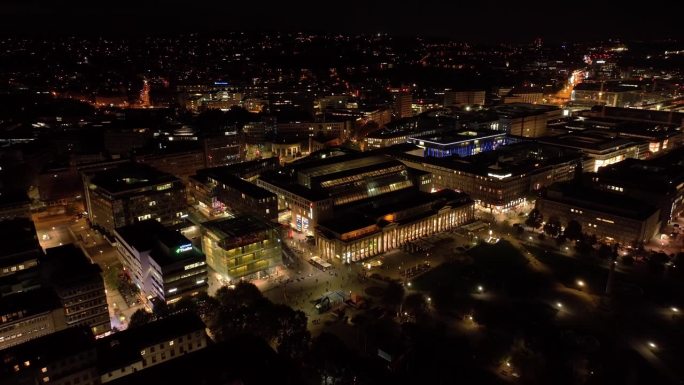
(184, 248)
(193, 265)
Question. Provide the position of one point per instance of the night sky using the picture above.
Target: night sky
(482, 21)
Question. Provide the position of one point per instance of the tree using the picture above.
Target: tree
(573, 230)
(393, 295)
(330, 357)
(552, 227)
(139, 318)
(534, 219)
(416, 305)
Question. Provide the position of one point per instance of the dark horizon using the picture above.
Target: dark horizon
(484, 22)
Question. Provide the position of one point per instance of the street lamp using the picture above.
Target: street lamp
(409, 284)
(580, 283)
(652, 345)
(674, 309)
(480, 288)
(559, 305)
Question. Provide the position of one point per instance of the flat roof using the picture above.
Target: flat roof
(589, 141)
(124, 347)
(130, 176)
(599, 200)
(455, 137)
(248, 188)
(47, 349)
(147, 235)
(18, 235)
(63, 265)
(30, 302)
(236, 227)
(514, 159)
(516, 110)
(371, 211)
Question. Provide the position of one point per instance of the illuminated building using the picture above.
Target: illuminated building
(19, 256)
(338, 129)
(503, 178)
(133, 350)
(28, 315)
(243, 247)
(79, 285)
(602, 148)
(386, 223)
(461, 143)
(181, 164)
(217, 189)
(659, 181)
(403, 102)
(605, 214)
(160, 261)
(130, 193)
(222, 148)
(612, 94)
(311, 189)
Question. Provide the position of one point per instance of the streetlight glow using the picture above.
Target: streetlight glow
(559, 305)
(674, 309)
(652, 345)
(580, 283)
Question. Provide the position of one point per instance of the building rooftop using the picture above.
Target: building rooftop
(505, 162)
(593, 142)
(18, 236)
(28, 303)
(396, 207)
(455, 137)
(45, 350)
(124, 347)
(67, 264)
(239, 184)
(599, 200)
(517, 110)
(130, 176)
(236, 227)
(13, 198)
(162, 243)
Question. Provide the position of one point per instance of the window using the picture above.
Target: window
(152, 203)
(143, 217)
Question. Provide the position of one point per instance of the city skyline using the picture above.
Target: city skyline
(483, 22)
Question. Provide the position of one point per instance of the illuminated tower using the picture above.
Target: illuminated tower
(145, 94)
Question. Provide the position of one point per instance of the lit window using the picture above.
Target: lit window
(27, 363)
(170, 343)
(43, 370)
(152, 203)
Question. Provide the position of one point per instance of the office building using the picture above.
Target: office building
(380, 225)
(28, 315)
(659, 181)
(222, 148)
(610, 216)
(460, 143)
(182, 164)
(241, 248)
(602, 148)
(464, 98)
(79, 285)
(161, 262)
(64, 357)
(503, 178)
(130, 193)
(526, 120)
(403, 102)
(19, 256)
(612, 94)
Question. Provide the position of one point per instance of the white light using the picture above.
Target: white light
(674, 309)
(173, 290)
(580, 283)
(201, 281)
(409, 284)
(480, 289)
(559, 305)
(652, 345)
